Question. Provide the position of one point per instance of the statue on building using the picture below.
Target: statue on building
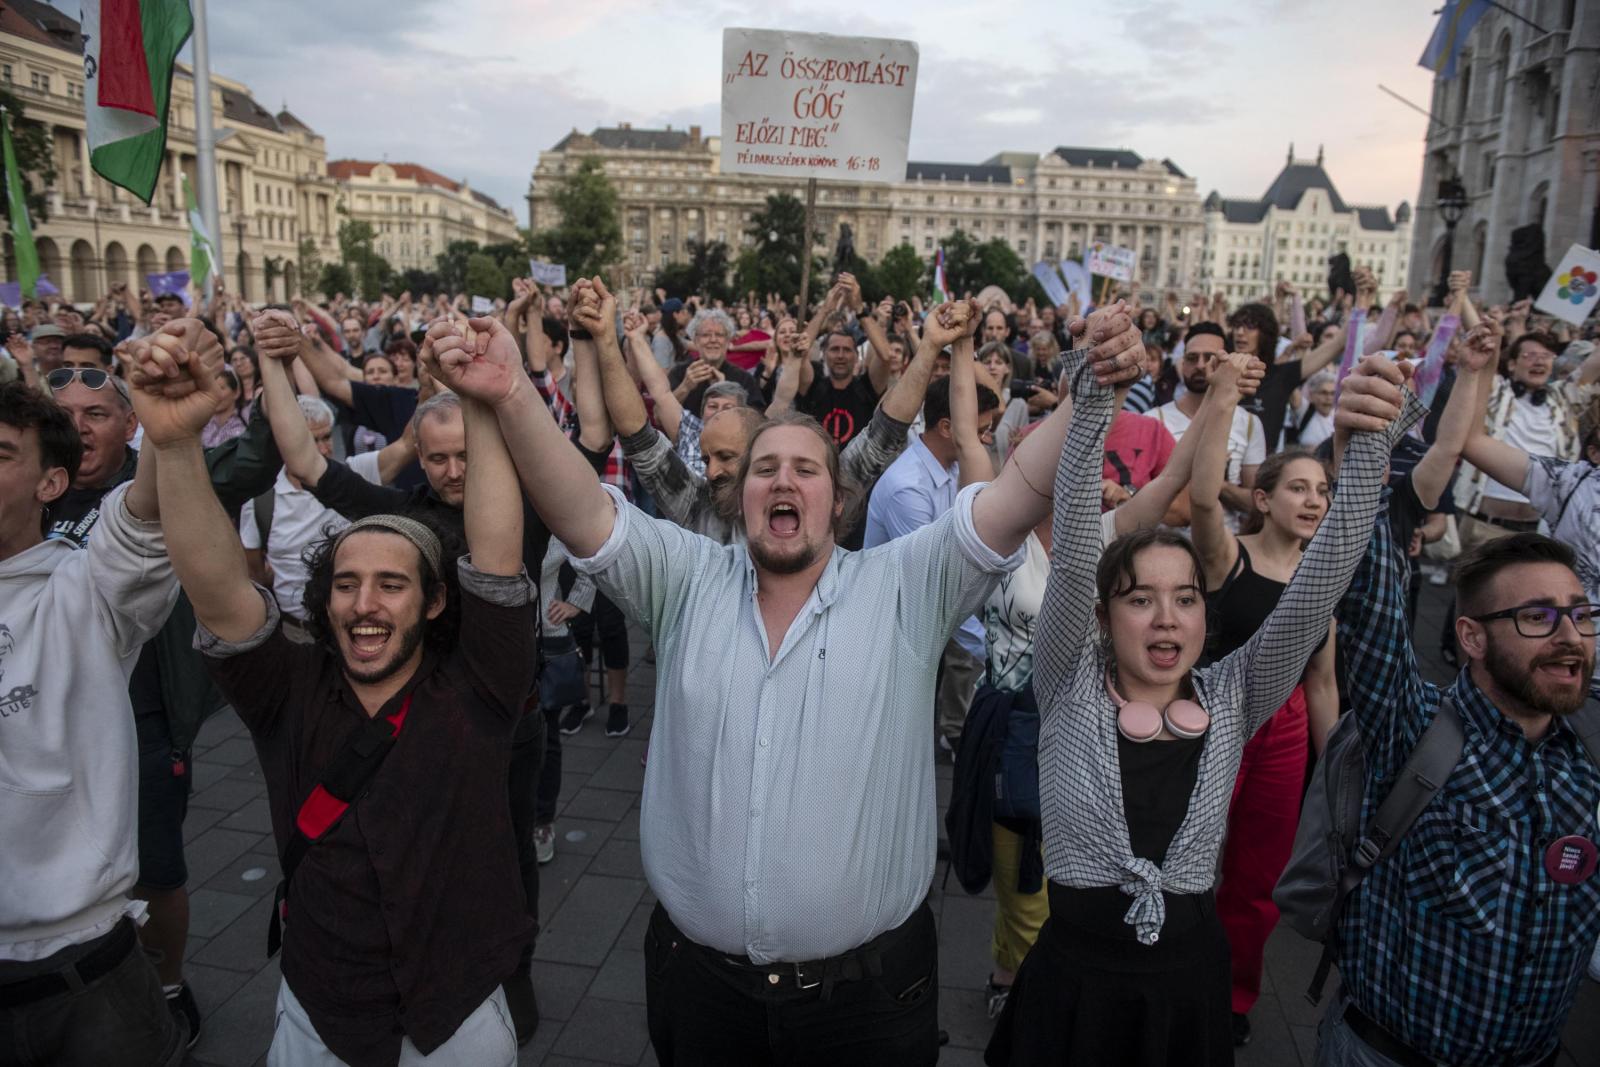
(1526, 269)
(844, 253)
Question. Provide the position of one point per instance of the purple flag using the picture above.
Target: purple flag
(1352, 343)
(176, 282)
(1431, 369)
(11, 292)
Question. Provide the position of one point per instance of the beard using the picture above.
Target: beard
(1522, 683)
(1196, 383)
(767, 560)
(410, 640)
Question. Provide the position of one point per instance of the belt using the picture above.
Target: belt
(93, 965)
(1515, 525)
(1385, 1043)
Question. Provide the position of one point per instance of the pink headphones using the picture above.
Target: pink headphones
(1141, 722)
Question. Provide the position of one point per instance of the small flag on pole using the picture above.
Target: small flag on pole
(1450, 35)
(940, 292)
(17, 203)
(202, 249)
(129, 47)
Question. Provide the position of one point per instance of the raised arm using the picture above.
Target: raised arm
(1272, 662)
(972, 459)
(560, 484)
(491, 504)
(331, 373)
(594, 311)
(1323, 354)
(174, 395)
(1463, 418)
(623, 403)
(276, 344)
(1208, 527)
(877, 368)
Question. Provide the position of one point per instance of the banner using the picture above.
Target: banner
(1054, 287)
(129, 50)
(551, 274)
(482, 305)
(813, 105)
(1572, 290)
(1431, 370)
(1111, 261)
(27, 255)
(204, 263)
(11, 292)
(1079, 284)
(176, 281)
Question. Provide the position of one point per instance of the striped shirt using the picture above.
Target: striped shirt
(1085, 827)
(689, 427)
(789, 808)
(1460, 944)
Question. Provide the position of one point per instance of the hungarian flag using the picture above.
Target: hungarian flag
(940, 292)
(17, 204)
(203, 263)
(129, 47)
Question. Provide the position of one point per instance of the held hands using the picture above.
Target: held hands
(1372, 396)
(1236, 376)
(174, 392)
(949, 321)
(593, 308)
(277, 335)
(483, 363)
(1118, 345)
(1481, 348)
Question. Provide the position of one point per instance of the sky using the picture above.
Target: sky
(477, 88)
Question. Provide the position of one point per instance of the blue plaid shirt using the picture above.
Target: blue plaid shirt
(1460, 944)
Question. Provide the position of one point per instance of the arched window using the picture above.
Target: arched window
(1541, 204)
(1502, 71)
(1465, 96)
(1480, 249)
(1488, 171)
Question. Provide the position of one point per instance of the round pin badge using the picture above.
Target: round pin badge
(1571, 860)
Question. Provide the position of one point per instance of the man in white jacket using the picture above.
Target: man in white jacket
(74, 986)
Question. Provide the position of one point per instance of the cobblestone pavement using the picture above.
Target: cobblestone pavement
(588, 969)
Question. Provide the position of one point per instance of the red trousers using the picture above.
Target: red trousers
(1261, 824)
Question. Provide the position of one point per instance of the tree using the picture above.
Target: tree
(589, 235)
(419, 282)
(900, 273)
(705, 273)
(336, 278)
(969, 267)
(484, 277)
(371, 271)
(308, 267)
(271, 267)
(35, 162)
(772, 262)
(452, 265)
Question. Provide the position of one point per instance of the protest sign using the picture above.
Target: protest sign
(1078, 282)
(1110, 261)
(1054, 287)
(1572, 291)
(551, 274)
(11, 292)
(482, 305)
(815, 105)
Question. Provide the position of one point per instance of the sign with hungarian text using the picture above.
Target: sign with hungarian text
(1110, 261)
(816, 105)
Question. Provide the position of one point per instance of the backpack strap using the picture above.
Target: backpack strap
(346, 775)
(1585, 722)
(1431, 762)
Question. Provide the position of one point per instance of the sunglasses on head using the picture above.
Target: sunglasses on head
(91, 377)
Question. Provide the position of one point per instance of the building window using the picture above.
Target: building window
(5, 73)
(39, 81)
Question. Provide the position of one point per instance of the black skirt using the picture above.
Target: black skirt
(1090, 994)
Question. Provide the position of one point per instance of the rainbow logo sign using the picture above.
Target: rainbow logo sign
(1576, 284)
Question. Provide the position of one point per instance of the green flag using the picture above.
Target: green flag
(21, 229)
(202, 249)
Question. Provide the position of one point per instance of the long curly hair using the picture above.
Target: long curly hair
(439, 635)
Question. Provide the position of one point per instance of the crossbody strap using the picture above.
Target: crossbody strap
(346, 776)
(1435, 756)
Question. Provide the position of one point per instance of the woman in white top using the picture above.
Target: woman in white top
(1313, 411)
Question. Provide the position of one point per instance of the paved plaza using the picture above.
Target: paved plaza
(589, 967)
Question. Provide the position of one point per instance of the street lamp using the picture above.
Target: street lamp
(1452, 205)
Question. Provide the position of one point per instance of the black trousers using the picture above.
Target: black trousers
(527, 758)
(604, 622)
(704, 1010)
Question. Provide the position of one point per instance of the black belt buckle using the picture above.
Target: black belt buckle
(800, 976)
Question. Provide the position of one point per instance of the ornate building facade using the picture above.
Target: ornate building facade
(415, 212)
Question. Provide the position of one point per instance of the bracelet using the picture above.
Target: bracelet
(578, 333)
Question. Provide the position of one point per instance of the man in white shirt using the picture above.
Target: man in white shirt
(1247, 442)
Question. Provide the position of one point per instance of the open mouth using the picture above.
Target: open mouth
(784, 520)
(369, 640)
(1566, 671)
(1164, 654)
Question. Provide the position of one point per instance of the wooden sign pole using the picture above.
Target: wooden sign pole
(804, 314)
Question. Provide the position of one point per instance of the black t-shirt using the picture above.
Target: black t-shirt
(842, 412)
(387, 409)
(694, 400)
(1271, 402)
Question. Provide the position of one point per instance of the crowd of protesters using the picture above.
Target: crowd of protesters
(1132, 567)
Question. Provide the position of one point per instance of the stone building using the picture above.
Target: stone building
(416, 212)
(672, 189)
(1291, 232)
(1519, 128)
(271, 176)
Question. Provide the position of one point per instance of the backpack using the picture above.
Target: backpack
(1333, 852)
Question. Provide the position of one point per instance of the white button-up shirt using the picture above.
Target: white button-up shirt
(789, 809)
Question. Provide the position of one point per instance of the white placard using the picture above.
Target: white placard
(1111, 261)
(1054, 288)
(1572, 291)
(482, 305)
(551, 274)
(815, 105)
(1078, 282)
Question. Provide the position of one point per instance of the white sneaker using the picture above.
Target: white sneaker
(544, 843)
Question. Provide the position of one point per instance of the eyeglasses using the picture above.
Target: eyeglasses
(1534, 620)
(91, 377)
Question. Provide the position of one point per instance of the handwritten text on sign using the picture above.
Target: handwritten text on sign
(813, 105)
(1111, 261)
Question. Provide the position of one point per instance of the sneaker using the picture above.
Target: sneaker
(1241, 1030)
(617, 724)
(997, 995)
(544, 843)
(181, 1003)
(575, 716)
(523, 1004)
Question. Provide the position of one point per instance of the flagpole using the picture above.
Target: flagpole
(205, 136)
